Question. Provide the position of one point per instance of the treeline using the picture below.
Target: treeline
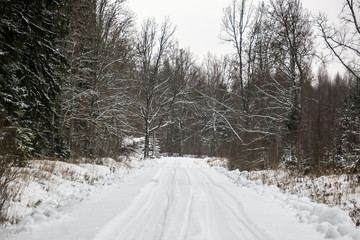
(77, 78)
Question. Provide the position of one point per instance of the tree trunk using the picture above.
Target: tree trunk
(147, 140)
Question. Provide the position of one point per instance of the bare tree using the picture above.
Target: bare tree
(294, 42)
(342, 41)
(235, 24)
(156, 95)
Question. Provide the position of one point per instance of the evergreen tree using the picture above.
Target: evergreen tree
(349, 147)
(32, 69)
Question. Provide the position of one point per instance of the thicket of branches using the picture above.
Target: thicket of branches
(77, 78)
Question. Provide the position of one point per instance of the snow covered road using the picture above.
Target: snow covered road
(177, 198)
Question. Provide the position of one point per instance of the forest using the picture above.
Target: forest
(78, 77)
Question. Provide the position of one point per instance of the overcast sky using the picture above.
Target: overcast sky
(198, 21)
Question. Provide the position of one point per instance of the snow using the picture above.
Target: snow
(167, 198)
(127, 141)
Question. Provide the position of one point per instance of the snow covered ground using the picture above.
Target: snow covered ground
(178, 198)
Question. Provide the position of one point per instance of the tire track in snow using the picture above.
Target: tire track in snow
(237, 211)
(121, 224)
(167, 200)
(170, 202)
(152, 221)
(201, 220)
(178, 212)
(188, 208)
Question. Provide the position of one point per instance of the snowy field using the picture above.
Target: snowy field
(168, 198)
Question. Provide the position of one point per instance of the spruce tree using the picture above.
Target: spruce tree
(349, 147)
(32, 70)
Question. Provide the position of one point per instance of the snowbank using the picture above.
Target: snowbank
(333, 222)
(342, 191)
(46, 188)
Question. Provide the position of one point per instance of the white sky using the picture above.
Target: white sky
(198, 22)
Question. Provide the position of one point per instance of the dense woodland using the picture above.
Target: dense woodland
(77, 77)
